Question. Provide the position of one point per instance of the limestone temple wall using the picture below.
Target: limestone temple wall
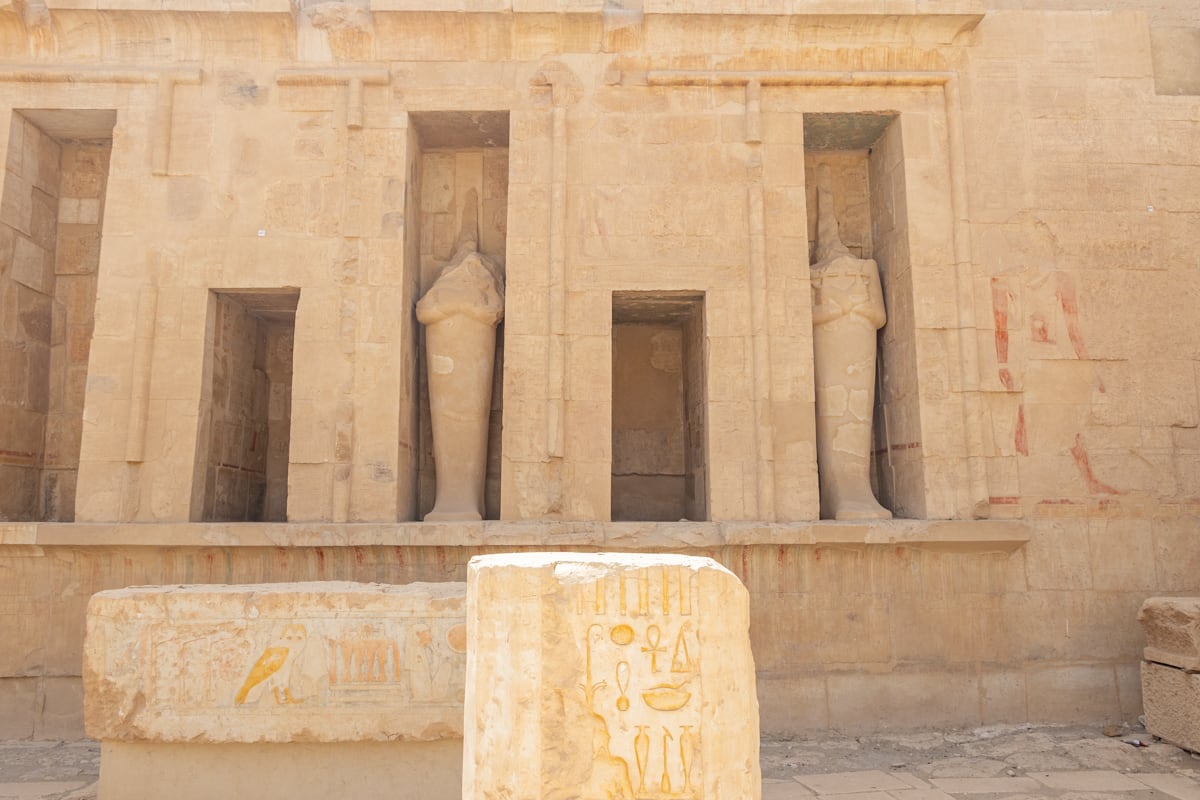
(216, 219)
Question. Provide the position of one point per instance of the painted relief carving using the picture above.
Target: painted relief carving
(331, 661)
(847, 311)
(641, 661)
(460, 313)
(321, 663)
(273, 669)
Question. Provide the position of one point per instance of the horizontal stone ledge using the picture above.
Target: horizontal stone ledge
(955, 15)
(960, 535)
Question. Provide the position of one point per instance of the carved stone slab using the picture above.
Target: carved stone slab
(312, 662)
(608, 675)
(1172, 628)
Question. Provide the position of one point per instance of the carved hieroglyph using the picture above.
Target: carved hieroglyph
(604, 676)
(847, 311)
(460, 313)
(323, 662)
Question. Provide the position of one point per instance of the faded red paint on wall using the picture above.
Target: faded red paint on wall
(1020, 438)
(1095, 486)
(1000, 297)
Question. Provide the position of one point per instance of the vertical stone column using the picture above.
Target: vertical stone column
(609, 675)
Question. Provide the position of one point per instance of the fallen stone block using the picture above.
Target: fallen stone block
(210, 691)
(1172, 628)
(1171, 699)
(608, 676)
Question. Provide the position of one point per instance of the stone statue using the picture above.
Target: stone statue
(460, 313)
(847, 311)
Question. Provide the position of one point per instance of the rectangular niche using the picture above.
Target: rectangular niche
(659, 454)
(457, 155)
(246, 405)
(51, 215)
(865, 155)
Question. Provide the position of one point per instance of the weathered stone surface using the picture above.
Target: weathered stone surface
(296, 771)
(1172, 628)
(1171, 698)
(315, 662)
(608, 675)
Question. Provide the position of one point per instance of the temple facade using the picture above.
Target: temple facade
(890, 306)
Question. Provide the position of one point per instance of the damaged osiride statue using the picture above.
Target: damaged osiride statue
(460, 313)
(847, 311)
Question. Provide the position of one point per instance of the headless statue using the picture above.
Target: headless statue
(460, 313)
(847, 311)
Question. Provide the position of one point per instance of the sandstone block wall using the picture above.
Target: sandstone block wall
(1025, 175)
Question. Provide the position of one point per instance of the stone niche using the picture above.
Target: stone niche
(51, 213)
(456, 152)
(245, 411)
(865, 155)
(659, 457)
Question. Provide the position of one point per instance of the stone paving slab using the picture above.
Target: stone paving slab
(851, 782)
(37, 790)
(1089, 781)
(1176, 786)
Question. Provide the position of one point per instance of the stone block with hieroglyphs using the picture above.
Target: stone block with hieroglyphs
(299, 662)
(608, 676)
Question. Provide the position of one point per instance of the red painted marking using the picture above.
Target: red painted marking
(1006, 500)
(18, 453)
(1095, 486)
(1070, 307)
(1020, 438)
(1039, 329)
(908, 446)
(320, 563)
(1000, 313)
(1000, 296)
(1062, 501)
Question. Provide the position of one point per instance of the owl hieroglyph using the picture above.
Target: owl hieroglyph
(273, 669)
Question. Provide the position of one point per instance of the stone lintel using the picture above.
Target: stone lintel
(291, 662)
(920, 19)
